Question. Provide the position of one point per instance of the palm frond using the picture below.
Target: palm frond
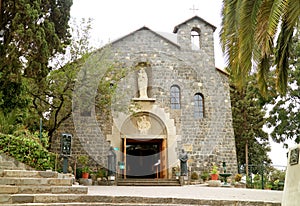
(248, 16)
(282, 55)
(267, 24)
(263, 74)
(292, 14)
(248, 32)
(229, 37)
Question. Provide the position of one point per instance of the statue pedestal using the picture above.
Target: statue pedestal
(292, 178)
(144, 103)
(183, 180)
(111, 178)
(143, 99)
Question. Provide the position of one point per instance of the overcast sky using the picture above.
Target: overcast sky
(116, 18)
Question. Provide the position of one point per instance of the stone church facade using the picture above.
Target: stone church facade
(181, 100)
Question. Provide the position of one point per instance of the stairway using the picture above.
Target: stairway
(21, 187)
(48, 188)
(148, 182)
(24, 186)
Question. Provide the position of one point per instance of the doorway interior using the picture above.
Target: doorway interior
(144, 158)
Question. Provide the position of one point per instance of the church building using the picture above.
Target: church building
(181, 103)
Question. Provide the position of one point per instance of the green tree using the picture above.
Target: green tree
(56, 100)
(31, 33)
(256, 34)
(248, 119)
(284, 117)
(53, 102)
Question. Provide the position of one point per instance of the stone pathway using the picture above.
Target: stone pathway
(189, 192)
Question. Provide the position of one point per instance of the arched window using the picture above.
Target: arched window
(198, 106)
(195, 39)
(175, 97)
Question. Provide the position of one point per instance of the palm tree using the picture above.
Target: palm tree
(256, 36)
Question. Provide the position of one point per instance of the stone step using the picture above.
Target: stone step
(29, 173)
(74, 189)
(7, 165)
(148, 182)
(100, 204)
(74, 199)
(36, 181)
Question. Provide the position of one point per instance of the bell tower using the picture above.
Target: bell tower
(195, 34)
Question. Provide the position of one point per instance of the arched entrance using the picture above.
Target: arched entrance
(144, 147)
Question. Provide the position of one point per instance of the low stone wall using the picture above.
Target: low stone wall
(10, 163)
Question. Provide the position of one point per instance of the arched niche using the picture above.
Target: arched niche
(143, 124)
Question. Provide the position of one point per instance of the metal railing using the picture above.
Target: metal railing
(260, 176)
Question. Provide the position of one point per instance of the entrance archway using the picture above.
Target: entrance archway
(144, 147)
(161, 127)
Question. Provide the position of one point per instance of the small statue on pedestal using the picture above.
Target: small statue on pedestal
(142, 83)
(111, 157)
(183, 157)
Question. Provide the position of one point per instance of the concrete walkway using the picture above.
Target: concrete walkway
(189, 192)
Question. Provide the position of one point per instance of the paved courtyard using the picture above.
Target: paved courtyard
(189, 192)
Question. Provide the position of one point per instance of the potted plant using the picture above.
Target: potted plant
(214, 174)
(83, 160)
(204, 176)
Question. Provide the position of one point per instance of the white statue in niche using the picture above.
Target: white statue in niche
(142, 83)
(143, 124)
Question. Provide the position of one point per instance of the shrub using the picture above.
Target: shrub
(27, 150)
(238, 177)
(204, 176)
(194, 176)
(101, 173)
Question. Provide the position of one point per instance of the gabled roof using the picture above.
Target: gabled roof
(146, 28)
(195, 17)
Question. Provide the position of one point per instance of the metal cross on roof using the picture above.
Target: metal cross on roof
(194, 9)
